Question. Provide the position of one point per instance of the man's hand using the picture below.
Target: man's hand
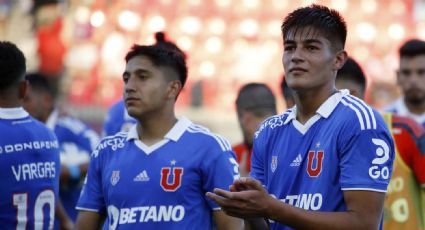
(246, 199)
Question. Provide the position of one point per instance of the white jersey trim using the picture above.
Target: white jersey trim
(371, 113)
(86, 209)
(13, 113)
(364, 189)
(224, 144)
(174, 134)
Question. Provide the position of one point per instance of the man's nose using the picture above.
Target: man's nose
(297, 55)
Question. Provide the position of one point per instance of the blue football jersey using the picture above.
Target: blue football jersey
(117, 120)
(161, 186)
(29, 171)
(345, 146)
(76, 141)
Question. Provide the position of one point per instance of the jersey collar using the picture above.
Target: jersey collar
(174, 134)
(13, 113)
(325, 110)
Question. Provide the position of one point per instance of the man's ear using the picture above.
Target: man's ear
(174, 88)
(340, 59)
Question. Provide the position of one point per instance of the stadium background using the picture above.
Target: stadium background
(228, 43)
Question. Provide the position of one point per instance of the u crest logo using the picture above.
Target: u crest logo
(176, 175)
(317, 159)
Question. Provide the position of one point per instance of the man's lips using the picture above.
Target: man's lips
(297, 69)
(130, 99)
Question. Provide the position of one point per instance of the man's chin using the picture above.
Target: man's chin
(415, 99)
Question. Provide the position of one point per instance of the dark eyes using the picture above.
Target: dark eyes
(126, 77)
(291, 48)
(312, 48)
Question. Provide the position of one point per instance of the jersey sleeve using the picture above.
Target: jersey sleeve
(259, 154)
(366, 158)
(219, 172)
(91, 198)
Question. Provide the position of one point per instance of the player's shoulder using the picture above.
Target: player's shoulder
(201, 134)
(110, 143)
(41, 127)
(72, 124)
(357, 115)
(273, 122)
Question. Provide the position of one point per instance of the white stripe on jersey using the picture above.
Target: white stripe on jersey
(220, 139)
(86, 209)
(366, 115)
(359, 116)
(365, 189)
(372, 114)
(224, 144)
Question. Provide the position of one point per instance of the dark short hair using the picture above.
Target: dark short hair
(12, 65)
(257, 98)
(326, 21)
(352, 71)
(39, 82)
(411, 48)
(161, 55)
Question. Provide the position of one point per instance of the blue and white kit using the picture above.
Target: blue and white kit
(345, 146)
(161, 186)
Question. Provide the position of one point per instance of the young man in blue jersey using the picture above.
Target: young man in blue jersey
(411, 79)
(29, 153)
(325, 163)
(155, 176)
(76, 139)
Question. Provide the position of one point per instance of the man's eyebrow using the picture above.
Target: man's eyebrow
(308, 41)
(138, 71)
(312, 41)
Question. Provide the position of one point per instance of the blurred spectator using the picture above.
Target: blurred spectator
(403, 207)
(255, 103)
(411, 79)
(76, 139)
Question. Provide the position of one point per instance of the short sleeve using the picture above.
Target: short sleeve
(258, 156)
(91, 198)
(366, 160)
(220, 172)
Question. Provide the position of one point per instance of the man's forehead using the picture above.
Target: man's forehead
(304, 33)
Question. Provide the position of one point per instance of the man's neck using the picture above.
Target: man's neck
(10, 103)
